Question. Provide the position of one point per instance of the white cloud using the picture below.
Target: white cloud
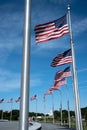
(58, 1)
(11, 27)
(35, 80)
(49, 46)
(82, 70)
(80, 26)
(9, 80)
(11, 33)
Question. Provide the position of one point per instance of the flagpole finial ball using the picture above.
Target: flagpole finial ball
(68, 7)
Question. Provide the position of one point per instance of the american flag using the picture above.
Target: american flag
(59, 76)
(10, 101)
(62, 74)
(66, 72)
(51, 30)
(2, 100)
(48, 92)
(18, 99)
(60, 83)
(33, 98)
(54, 88)
(63, 58)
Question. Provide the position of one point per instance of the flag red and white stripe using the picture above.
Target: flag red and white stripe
(60, 75)
(54, 88)
(60, 83)
(63, 58)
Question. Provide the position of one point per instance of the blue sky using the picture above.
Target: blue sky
(41, 73)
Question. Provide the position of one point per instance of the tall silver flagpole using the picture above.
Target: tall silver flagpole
(2, 114)
(36, 109)
(11, 112)
(79, 105)
(24, 104)
(53, 106)
(75, 84)
(61, 106)
(44, 110)
(69, 120)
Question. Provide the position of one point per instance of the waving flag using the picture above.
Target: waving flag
(66, 72)
(33, 98)
(60, 75)
(51, 30)
(60, 83)
(54, 88)
(18, 99)
(48, 92)
(10, 101)
(2, 100)
(63, 58)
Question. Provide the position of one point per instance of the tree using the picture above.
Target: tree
(57, 115)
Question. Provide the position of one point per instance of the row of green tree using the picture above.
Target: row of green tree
(14, 114)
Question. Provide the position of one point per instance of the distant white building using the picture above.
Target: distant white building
(39, 117)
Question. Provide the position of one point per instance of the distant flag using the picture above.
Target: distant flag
(18, 99)
(59, 76)
(33, 98)
(63, 58)
(60, 83)
(2, 100)
(51, 30)
(48, 92)
(54, 88)
(10, 101)
(66, 72)
(62, 74)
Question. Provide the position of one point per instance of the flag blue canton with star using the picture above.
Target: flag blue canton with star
(61, 22)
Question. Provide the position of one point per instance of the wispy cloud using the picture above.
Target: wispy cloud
(80, 26)
(35, 82)
(35, 79)
(49, 46)
(9, 80)
(82, 70)
(59, 1)
(11, 31)
(11, 28)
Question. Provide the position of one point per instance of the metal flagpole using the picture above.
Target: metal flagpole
(79, 105)
(11, 112)
(24, 104)
(2, 115)
(53, 106)
(75, 84)
(44, 110)
(69, 120)
(61, 106)
(36, 109)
